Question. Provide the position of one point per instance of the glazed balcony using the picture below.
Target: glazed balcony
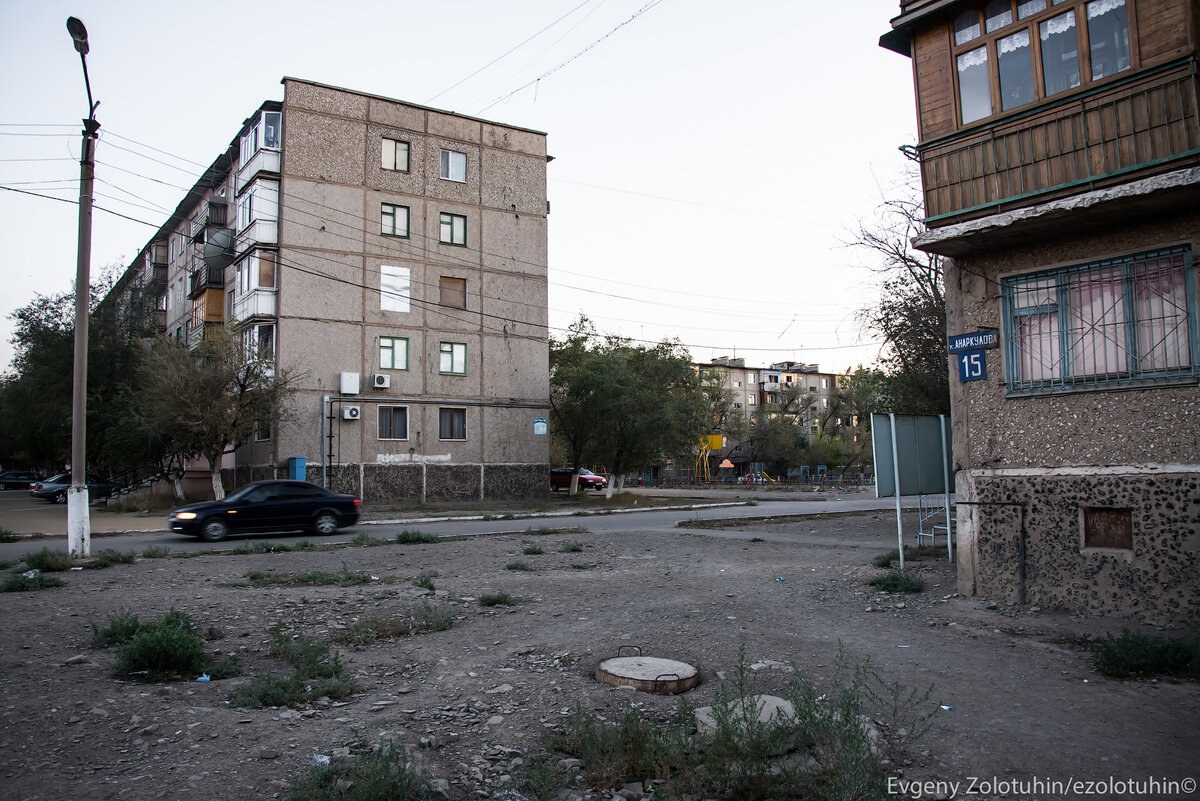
(1144, 125)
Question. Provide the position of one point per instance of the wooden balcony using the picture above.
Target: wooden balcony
(1143, 125)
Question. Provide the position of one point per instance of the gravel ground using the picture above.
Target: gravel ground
(1011, 703)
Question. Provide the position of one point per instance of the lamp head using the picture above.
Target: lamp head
(78, 34)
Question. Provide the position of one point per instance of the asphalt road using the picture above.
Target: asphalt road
(140, 532)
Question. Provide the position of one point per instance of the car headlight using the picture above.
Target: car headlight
(186, 516)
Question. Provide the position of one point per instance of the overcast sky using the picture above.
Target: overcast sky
(711, 158)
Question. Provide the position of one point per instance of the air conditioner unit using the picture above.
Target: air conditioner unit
(351, 412)
(381, 381)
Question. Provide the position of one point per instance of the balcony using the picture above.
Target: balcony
(256, 303)
(259, 232)
(1143, 125)
(203, 279)
(770, 386)
(262, 161)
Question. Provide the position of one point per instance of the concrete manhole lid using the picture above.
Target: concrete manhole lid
(649, 674)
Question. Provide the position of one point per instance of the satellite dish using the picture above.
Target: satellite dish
(219, 250)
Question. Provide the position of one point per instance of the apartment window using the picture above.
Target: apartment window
(452, 423)
(393, 220)
(258, 340)
(453, 166)
(452, 229)
(751, 400)
(262, 430)
(1104, 325)
(395, 155)
(453, 292)
(393, 353)
(394, 288)
(393, 422)
(265, 133)
(256, 271)
(453, 358)
(1036, 48)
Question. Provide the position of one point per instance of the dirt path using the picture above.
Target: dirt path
(473, 698)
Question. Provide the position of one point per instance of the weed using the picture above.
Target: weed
(1134, 655)
(498, 599)
(120, 629)
(156, 552)
(18, 582)
(408, 537)
(8, 536)
(542, 778)
(423, 618)
(48, 561)
(345, 578)
(581, 567)
(165, 649)
(825, 747)
(898, 581)
(364, 540)
(257, 546)
(387, 773)
(911, 554)
(110, 556)
(316, 673)
(757, 539)
(546, 531)
(570, 547)
(517, 566)
(307, 545)
(5, 564)
(533, 550)
(424, 581)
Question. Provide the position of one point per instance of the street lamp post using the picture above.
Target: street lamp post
(78, 522)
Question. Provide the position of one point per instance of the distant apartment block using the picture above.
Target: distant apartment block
(394, 258)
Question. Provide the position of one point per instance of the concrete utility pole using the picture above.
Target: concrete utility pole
(78, 522)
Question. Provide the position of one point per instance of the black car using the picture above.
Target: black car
(18, 479)
(267, 506)
(54, 489)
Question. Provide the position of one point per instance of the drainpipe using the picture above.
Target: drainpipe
(324, 422)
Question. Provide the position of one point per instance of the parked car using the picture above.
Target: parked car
(267, 506)
(18, 479)
(560, 478)
(54, 489)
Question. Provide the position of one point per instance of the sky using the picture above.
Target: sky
(711, 159)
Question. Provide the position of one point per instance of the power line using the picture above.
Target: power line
(553, 70)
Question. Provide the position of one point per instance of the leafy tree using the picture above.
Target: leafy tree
(856, 396)
(776, 439)
(207, 401)
(911, 315)
(625, 405)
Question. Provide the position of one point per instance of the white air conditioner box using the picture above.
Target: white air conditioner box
(381, 381)
(351, 412)
(349, 384)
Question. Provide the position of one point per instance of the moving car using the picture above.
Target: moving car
(18, 479)
(54, 489)
(267, 506)
(560, 478)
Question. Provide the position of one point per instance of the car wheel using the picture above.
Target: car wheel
(553, 487)
(60, 497)
(325, 523)
(214, 530)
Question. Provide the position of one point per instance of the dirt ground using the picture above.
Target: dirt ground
(1011, 703)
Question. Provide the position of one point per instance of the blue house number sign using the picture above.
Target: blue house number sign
(972, 366)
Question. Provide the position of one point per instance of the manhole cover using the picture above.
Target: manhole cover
(648, 674)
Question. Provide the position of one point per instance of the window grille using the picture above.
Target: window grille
(1120, 322)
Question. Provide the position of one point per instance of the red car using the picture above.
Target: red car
(560, 478)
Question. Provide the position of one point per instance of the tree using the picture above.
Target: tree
(623, 404)
(207, 401)
(911, 315)
(776, 439)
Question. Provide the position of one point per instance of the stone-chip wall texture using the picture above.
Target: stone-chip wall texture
(1156, 581)
(330, 317)
(432, 483)
(1136, 449)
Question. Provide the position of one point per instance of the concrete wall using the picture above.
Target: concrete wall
(330, 317)
(1056, 454)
